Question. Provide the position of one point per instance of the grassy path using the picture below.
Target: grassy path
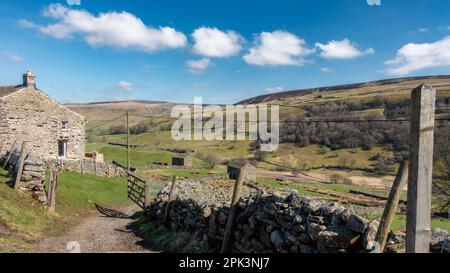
(98, 234)
(24, 221)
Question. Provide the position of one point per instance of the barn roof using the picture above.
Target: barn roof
(240, 163)
(178, 155)
(9, 89)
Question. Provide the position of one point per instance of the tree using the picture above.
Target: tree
(286, 164)
(139, 128)
(335, 178)
(117, 130)
(260, 156)
(442, 163)
(210, 160)
(347, 161)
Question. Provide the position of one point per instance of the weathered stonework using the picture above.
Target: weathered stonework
(32, 178)
(28, 114)
(235, 167)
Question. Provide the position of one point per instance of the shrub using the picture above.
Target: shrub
(335, 178)
(210, 161)
(117, 130)
(260, 155)
(139, 128)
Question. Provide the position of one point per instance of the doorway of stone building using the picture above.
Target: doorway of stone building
(62, 148)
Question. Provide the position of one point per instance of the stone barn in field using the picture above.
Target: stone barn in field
(51, 129)
(182, 160)
(235, 167)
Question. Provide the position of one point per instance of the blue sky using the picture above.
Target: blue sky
(225, 51)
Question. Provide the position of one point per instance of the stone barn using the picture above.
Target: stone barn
(182, 160)
(236, 166)
(51, 129)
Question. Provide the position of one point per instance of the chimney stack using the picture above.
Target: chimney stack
(29, 79)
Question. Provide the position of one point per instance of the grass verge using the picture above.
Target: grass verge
(23, 220)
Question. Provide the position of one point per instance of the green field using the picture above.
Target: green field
(139, 157)
(316, 156)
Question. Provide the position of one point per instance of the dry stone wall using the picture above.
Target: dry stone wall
(33, 174)
(281, 222)
(89, 166)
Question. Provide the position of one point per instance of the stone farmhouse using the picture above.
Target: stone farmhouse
(51, 129)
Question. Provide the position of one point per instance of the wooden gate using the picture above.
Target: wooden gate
(137, 190)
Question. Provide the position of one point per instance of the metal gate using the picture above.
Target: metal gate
(137, 190)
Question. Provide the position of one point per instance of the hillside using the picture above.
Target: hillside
(99, 112)
(389, 88)
(324, 150)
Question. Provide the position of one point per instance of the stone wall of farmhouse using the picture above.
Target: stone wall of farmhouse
(32, 116)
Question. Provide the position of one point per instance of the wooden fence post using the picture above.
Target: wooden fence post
(20, 163)
(391, 205)
(226, 243)
(9, 155)
(51, 201)
(420, 176)
(49, 186)
(146, 194)
(171, 194)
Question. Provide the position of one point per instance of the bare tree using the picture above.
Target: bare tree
(210, 161)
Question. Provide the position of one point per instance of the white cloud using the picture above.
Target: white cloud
(344, 49)
(276, 89)
(423, 29)
(27, 24)
(413, 57)
(117, 29)
(124, 87)
(211, 42)
(326, 70)
(13, 57)
(278, 48)
(200, 85)
(198, 66)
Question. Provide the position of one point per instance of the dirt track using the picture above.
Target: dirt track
(314, 177)
(97, 234)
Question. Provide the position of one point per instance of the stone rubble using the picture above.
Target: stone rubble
(33, 174)
(281, 222)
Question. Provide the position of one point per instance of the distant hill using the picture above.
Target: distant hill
(99, 112)
(118, 102)
(388, 87)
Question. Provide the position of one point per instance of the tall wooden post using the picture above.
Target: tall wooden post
(146, 194)
(20, 163)
(49, 186)
(128, 143)
(226, 243)
(51, 195)
(420, 170)
(392, 204)
(172, 192)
